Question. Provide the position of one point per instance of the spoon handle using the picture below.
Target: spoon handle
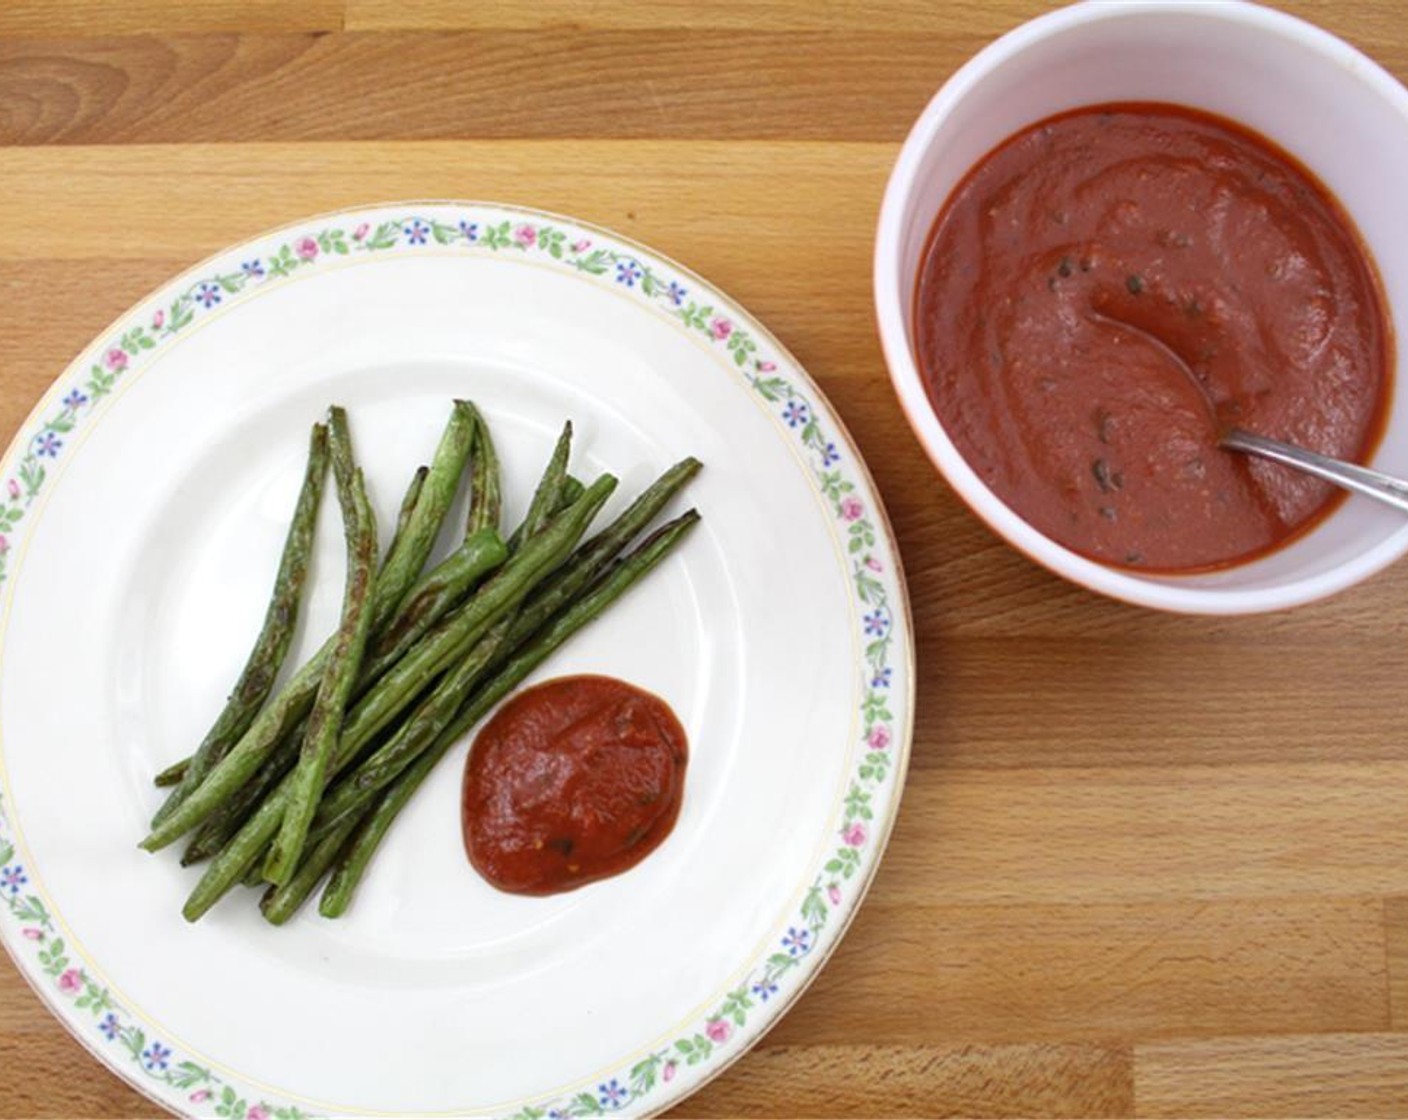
(1361, 480)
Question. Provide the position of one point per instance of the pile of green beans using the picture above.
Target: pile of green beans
(299, 784)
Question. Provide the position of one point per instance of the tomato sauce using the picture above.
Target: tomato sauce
(572, 781)
(1108, 290)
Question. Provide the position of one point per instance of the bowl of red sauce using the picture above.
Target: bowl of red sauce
(1123, 228)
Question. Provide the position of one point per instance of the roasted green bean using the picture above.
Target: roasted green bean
(340, 673)
(256, 680)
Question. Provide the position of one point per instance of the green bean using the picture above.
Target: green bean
(408, 507)
(366, 829)
(281, 902)
(256, 680)
(622, 576)
(293, 702)
(451, 639)
(254, 876)
(448, 583)
(486, 499)
(593, 555)
(418, 732)
(222, 825)
(274, 723)
(441, 589)
(225, 823)
(546, 496)
(572, 490)
(405, 561)
(339, 676)
(200, 847)
(172, 775)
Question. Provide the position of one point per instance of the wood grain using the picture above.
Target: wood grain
(1168, 704)
(596, 77)
(1371, 25)
(1146, 865)
(544, 84)
(972, 16)
(52, 18)
(949, 973)
(722, 205)
(1363, 1075)
(1045, 1079)
(1140, 834)
(1396, 943)
(55, 1080)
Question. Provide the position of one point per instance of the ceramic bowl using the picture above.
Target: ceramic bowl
(1318, 98)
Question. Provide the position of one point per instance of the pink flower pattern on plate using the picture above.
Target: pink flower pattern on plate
(71, 981)
(854, 834)
(116, 359)
(307, 249)
(720, 328)
(525, 236)
(879, 737)
(851, 507)
(718, 1030)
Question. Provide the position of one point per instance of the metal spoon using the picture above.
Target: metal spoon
(1392, 491)
(1361, 480)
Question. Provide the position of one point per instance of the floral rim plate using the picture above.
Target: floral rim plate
(144, 501)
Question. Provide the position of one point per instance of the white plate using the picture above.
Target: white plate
(144, 505)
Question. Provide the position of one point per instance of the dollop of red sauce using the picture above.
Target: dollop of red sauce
(575, 780)
(1109, 289)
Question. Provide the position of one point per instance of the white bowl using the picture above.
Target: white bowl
(1343, 116)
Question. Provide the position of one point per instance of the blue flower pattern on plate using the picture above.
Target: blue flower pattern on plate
(796, 941)
(765, 989)
(156, 1056)
(613, 1094)
(627, 272)
(795, 413)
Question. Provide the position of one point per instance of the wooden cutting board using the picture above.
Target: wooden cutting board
(1146, 865)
